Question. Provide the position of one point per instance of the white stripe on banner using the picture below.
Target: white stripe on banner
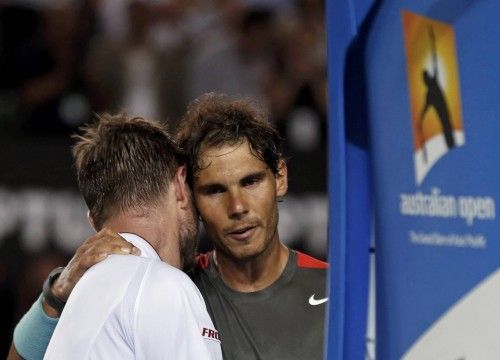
(469, 330)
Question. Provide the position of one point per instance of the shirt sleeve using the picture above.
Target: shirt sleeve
(33, 332)
(170, 318)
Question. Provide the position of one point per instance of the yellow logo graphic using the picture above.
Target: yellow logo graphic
(434, 90)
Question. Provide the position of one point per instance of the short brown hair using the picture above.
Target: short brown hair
(216, 119)
(123, 163)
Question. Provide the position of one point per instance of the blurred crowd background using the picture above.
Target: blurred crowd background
(63, 61)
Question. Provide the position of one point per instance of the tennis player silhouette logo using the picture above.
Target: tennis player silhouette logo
(435, 98)
(434, 90)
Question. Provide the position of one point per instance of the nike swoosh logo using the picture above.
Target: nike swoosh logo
(314, 302)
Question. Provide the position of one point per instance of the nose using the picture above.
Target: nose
(237, 205)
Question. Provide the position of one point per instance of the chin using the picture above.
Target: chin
(245, 252)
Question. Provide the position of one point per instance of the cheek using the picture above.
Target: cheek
(265, 202)
(272, 217)
(202, 205)
(209, 212)
(269, 209)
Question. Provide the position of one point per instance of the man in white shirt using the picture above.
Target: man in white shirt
(130, 307)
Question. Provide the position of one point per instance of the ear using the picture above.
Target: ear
(90, 218)
(282, 179)
(182, 191)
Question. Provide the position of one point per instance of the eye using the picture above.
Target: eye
(248, 182)
(213, 190)
(251, 180)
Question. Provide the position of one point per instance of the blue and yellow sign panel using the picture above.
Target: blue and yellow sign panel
(433, 89)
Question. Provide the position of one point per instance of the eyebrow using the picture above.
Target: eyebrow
(217, 185)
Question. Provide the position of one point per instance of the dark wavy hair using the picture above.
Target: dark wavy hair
(215, 119)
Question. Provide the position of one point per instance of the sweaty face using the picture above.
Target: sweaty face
(236, 196)
(188, 234)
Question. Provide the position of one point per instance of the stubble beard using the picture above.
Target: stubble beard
(188, 240)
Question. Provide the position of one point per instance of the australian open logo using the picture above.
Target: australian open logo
(434, 90)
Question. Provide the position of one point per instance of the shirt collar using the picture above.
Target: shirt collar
(147, 250)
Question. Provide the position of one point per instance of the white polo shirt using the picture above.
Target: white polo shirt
(131, 307)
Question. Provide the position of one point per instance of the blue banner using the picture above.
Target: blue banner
(349, 220)
(433, 104)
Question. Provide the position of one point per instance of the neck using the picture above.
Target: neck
(252, 274)
(152, 229)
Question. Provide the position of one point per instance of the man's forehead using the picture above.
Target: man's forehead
(221, 162)
(211, 151)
